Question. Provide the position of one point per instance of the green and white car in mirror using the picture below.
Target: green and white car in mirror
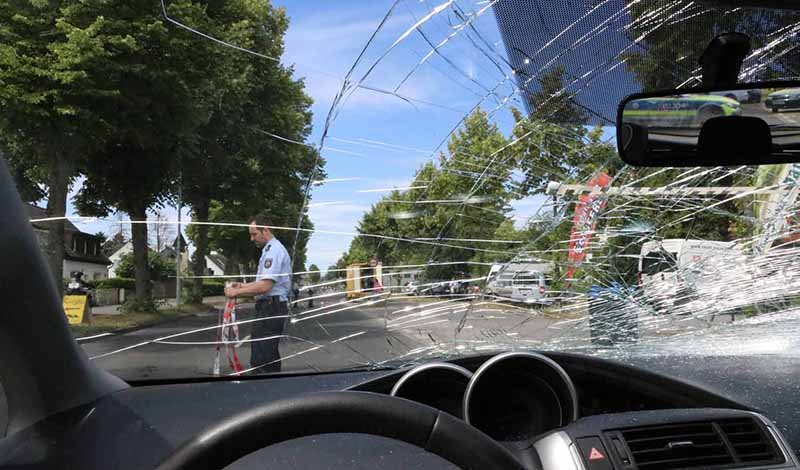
(685, 110)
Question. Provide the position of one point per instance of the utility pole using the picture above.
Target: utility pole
(178, 245)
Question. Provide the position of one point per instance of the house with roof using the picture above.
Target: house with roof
(215, 262)
(170, 252)
(115, 258)
(82, 251)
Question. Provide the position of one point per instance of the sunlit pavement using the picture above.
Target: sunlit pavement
(784, 117)
(326, 339)
(335, 334)
(318, 349)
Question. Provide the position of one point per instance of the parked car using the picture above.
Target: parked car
(411, 288)
(459, 287)
(434, 288)
(742, 96)
(783, 99)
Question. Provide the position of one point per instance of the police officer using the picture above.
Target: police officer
(271, 288)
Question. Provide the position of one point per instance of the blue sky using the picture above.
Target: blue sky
(324, 42)
(377, 140)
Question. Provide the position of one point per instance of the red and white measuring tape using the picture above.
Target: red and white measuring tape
(228, 333)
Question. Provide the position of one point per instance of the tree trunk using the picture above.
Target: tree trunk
(58, 187)
(141, 266)
(201, 250)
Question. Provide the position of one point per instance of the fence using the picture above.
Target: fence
(116, 296)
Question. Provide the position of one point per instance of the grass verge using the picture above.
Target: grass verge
(133, 320)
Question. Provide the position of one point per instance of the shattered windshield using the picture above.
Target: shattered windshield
(247, 187)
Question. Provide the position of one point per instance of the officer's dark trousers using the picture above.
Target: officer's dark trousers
(271, 316)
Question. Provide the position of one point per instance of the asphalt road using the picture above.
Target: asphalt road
(784, 117)
(345, 334)
(337, 335)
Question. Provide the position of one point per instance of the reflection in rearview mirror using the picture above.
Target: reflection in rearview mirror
(710, 127)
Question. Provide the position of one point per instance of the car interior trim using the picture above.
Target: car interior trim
(427, 367)
(492, 362)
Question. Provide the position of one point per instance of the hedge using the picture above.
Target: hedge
(116, 283)
(211, 287)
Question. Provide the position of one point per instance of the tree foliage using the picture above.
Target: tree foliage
(464, 195)
(232, 160)
(664, 59)
(160, 268)
(146, 110)
(48, 88)
(314, 274)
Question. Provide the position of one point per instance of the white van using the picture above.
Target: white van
(519, 282)
(677, 270)
(528, 287)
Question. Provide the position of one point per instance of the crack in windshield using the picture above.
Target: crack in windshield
(443, 177)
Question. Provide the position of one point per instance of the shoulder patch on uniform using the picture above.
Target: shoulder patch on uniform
(267, 263)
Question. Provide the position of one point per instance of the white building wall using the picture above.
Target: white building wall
(215, 270)
(91, 271)
(114, 258)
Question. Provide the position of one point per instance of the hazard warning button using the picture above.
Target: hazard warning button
(594, 454)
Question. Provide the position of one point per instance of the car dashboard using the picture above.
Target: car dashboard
(530, 404)
(551, 410)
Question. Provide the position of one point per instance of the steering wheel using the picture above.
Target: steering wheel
(341, 412)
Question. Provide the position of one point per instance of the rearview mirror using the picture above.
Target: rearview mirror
(748, 124)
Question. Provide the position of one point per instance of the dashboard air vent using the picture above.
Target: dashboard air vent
(719, 444)
(749, 442)
(689, 445)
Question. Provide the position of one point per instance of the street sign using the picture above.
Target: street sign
(75, 307)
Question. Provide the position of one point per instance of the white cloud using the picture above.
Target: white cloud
(323, 48)
(312, 41)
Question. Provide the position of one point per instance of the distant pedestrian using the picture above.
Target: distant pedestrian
(310, 290)
(271, 288)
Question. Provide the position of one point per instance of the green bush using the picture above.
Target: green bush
(117, 283)
(159, 267)
(133, 305)
(211, 288)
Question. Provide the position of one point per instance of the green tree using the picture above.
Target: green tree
(47, 91)
(162, 79)
(332, 273)
(314, 274)
(232, 159)
(159, 268)
(114, 243)
(465, 196)
(234, 241)
(671, 43)
(101, 238)
(549, 144)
